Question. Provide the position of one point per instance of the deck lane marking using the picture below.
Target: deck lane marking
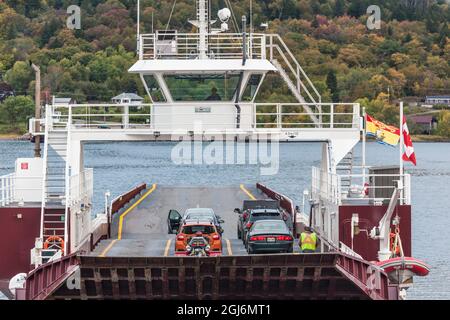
(230, 252)
(104, 252)
(119, 236)
(166, 250)
(247, 192)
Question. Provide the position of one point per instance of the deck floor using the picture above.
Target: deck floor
(144, 228)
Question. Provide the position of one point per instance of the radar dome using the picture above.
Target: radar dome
(224, 14)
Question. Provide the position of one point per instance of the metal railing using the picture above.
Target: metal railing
(15, 189)
(254, 116)
(329, 186)
(277, 48)
(7, 189)
(297, 115)
(186, 46)
(80, 204)
(81, 187)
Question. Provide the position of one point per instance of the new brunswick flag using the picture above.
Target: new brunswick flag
(383, 133)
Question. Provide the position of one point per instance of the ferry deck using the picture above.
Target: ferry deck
(140, 229)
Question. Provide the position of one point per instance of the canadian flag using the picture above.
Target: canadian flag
(409, 154)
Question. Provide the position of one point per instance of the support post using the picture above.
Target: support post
(37, 115)
(401, 170)
(364, 147)
(244, 40)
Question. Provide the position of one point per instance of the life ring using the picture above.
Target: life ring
(54, 239)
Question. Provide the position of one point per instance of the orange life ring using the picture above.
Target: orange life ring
(54, 239)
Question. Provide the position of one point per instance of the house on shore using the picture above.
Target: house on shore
(424, 124)
(128, 98)
(437, 100)
(63, 102)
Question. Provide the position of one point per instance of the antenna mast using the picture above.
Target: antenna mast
(202, 23)
(138, 27)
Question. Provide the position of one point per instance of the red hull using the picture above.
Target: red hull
(19, 229)
(369, 217)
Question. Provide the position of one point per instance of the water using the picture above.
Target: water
(120, 166)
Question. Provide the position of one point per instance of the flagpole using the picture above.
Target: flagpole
(364, 147)
(401, 169)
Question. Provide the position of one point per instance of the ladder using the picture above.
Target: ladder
(304, 91)
(55, 191)
(345, 169)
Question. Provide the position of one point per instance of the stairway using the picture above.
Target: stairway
(295, 91)
(54, 209)
(345, 168)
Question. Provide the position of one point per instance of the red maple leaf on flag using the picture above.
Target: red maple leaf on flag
(409, 154)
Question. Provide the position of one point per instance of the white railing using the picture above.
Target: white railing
(186, 46)
(326, 185)
(80, 204)
(16, 190)
(277, 48)
(81, 187)
(254, 116)
(329, 186)
(295, 115)
(7, 189)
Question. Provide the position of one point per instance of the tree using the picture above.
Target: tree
(332, 85)
(19, 77)
(443, 128)
(15, 110)
(339, 8)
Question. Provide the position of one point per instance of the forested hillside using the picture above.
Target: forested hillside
(408, 56)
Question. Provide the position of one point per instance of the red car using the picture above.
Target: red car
(190, 228)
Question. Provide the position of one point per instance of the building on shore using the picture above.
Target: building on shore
(128, 98)
(437, 100)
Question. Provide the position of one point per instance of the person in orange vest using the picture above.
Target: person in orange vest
(308, 240)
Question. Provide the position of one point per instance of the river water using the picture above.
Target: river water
(120, 166)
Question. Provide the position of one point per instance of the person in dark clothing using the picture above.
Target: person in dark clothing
(214, 96)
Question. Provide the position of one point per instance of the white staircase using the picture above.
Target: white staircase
(345, 169)
(292, 73)
(54, 210)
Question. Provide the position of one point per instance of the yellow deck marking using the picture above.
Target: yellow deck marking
(230, 252)
(247, 192)
(166, 250)
(104, 252)
(119, 236)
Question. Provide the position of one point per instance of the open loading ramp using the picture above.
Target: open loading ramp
(283, 276)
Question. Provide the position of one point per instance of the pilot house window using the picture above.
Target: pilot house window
(204, 87)
(252, 86)
(154, 89)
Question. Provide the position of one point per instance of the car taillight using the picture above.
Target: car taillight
(180, 237)
(249, 225)
(216, 237)
(258, 238)
(284, 238)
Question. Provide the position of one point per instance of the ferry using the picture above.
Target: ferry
(202, 87)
